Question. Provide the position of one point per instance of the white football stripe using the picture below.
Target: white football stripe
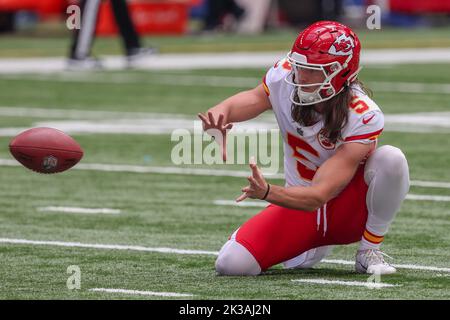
(110, 122)
(212, 81)
(105, 246)
(240, 204)
(179, 79)
(75, 114)
(195, 172)
(430, 184)
(79, 210)
(142, 293)
(257, 204)
(152, 169)
(410, 87)
(426, 197)
(398, 266)
(180, 251)
(227, 60)
(346, 283)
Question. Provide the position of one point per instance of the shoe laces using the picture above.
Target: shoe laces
(373, 256)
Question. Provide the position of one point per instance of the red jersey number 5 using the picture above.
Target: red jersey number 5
(298, 144)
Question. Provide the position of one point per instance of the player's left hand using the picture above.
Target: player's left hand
(258, 185)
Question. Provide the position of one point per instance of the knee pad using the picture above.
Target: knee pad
(388, 160)
(235, 260)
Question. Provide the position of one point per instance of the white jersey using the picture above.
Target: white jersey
(306, 148)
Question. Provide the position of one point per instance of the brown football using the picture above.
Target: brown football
(45, 150)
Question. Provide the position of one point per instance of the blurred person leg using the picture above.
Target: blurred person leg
(130, 37)
(255, 17)
(213, 15)
(80, 50)
(216, 11)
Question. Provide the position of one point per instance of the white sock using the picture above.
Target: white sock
(387, 175)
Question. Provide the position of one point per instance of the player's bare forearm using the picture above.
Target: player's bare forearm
(327, 183)
(299, 198)
(243, 106)
(330, 179)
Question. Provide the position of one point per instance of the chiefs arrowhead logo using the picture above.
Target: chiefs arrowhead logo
(342, 46)
(324, 141)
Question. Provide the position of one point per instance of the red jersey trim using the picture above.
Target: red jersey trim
(266, 88)
(370, 136)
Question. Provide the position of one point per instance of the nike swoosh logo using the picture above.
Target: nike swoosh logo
(366, 121)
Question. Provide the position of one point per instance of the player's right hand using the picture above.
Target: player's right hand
(217, 129)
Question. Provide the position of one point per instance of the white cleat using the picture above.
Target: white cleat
(371, 261)
(140, 57)
(85, 64)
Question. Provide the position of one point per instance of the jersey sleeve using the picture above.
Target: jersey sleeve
(267, 80)
(366, 128)
(274, 77)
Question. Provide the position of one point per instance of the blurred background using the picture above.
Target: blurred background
(170, 21)
(122, 91)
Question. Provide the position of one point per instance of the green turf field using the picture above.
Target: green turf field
(39, 44)
(177, 210)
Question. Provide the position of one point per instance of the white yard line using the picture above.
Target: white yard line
(142, 293)
(114, 122)
(168, 125)
(211, 81)
(426, 197)
(258, 204)
(181, 251)
(151, 169)
(225, 60)
(106, 78)
(74, 114)
(410, 87)
(346, 283)
(418, 122)
(79, 210)
(399, 266)
(430, 184)
(105, 246)
(195, 172)
(247, 203)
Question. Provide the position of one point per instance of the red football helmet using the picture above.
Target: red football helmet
(324, 58)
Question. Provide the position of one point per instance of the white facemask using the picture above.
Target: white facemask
(322, 90)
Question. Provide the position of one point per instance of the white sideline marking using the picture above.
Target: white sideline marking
(180, 80)
(409, 87)
(347, 283)
(142, 293)
(105, 246)
(180, 251)
(80, 210)
(422, 197)
(430, 184)
(398, 266)
(212, 81)
(240, 204)
(425, 197)
(49, 113)
(227, 60)
(114, 122)
(196, 172)
(418, 122)
(151, 169)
